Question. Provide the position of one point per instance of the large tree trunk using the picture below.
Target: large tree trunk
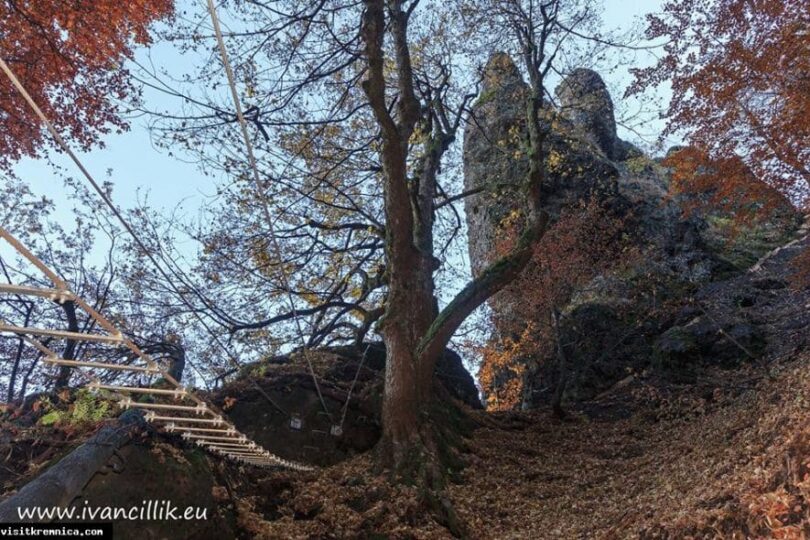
(406, 400)
(415, 334)
(407, 391)
(411, 308)
(63, 482)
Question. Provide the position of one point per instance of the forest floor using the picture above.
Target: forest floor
(726, 458)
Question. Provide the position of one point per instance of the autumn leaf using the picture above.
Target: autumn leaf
(229, 402)
(740, 94)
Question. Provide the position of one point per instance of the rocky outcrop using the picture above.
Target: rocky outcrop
(585, 101)
(495, 164)
(64, 481)
(743, 317)
(610, 327)
(450, 370)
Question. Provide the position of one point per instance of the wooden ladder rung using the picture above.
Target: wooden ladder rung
(172, 427)
(178, 393)
(236, 444)
(198, 409)
(100, 365)
(152, 417)
(221, 437)
(255, 451)
(61, 334)
(257, 454)
(248, 459)
(226, 446)
(57, 295)
(234, 438)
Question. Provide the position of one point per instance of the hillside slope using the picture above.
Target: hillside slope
(724, 456)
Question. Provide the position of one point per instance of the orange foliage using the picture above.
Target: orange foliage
(584, 242)
(739, 74)
(694, 172)
(501, 373)
(68, 55)
(779, 507)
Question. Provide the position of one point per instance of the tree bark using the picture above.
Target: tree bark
(415, 333)
(63, 482)
(15, 367)
(407, 392)
(63, 379)
(410, 305)
(562, 367)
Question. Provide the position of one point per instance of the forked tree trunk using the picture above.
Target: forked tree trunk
(410, 306)
(415, 334)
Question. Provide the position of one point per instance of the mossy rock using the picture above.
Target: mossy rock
(675, 349)
(743, 245)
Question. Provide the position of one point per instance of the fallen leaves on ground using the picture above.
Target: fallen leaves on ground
(731, 462)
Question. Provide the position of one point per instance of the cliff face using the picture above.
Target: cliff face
(607, 334)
